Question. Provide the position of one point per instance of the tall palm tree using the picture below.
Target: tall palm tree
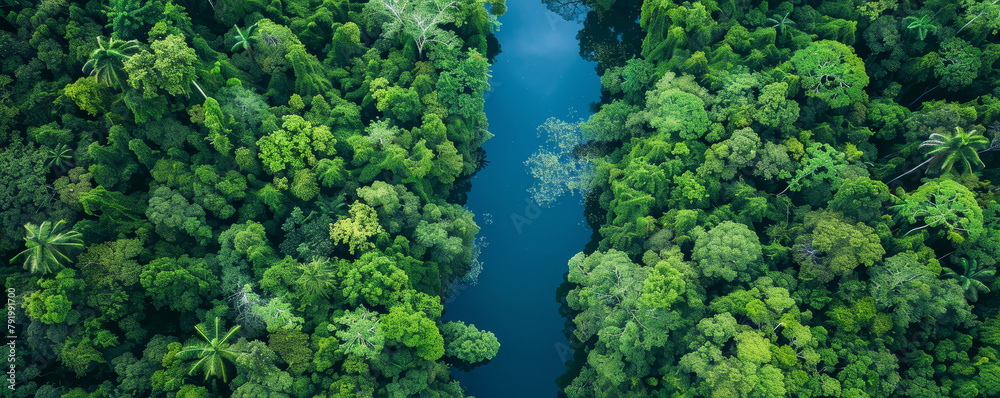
(245, 40)
(972, 278)
(108, 60)
(211, 353)
(47, 245)
(960, 147)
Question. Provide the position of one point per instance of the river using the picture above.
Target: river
(538, 75)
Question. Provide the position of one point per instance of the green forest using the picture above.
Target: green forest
(239, 198)
(264, 198)
(792, 199)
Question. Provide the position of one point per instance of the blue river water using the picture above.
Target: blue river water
(538, 75)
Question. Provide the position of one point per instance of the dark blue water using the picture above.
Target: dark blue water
(538, 75)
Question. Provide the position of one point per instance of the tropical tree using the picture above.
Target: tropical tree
(729, 251)
(832, 72)
(983, 7)
(421, 20)
(356, 230)
(780, 22)
(960, 147)
(317, 279)
(60, 156)
(245, 40)
(972, 278)
(953, 148)
(922, 25)
(359, 333)
(47, 245)
(212, 352)
(169, 67)
(107, 61)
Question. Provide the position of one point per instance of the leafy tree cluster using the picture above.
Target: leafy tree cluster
(241, 198)
(792, 199)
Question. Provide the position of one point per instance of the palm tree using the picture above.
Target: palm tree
(245, 40)
(972, 278)
(922, 25)
(46, 246)
(211, 353)
(780, 22)
(316, 279)
(107, 61)
(960, 147)
(953, 148)
(58, 157)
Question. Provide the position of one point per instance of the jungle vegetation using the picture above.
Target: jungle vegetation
(241, 198)
(793, 199)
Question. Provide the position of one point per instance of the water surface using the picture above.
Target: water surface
(538, 75)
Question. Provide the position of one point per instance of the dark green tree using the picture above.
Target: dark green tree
(59, 156)
(780, 22)
(972, 278)
(107, 62)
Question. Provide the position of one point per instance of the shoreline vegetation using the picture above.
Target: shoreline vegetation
(264, 198)
(241, 198)
(790, 198)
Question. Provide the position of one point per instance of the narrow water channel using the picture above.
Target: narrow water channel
(538, 75)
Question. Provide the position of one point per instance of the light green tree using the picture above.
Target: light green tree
(922, 24)
(295, 145)
(47, 246)
(729, 251)
(832, 72)
(317, 279)
(53, 300)
(958, 147)
(421, 20)
(169, 67)
(672, 111)
(213, 353)
(405, 326)
(468, 343)
(355, 230)
(359, 333)
(833, 246)
(942, 203)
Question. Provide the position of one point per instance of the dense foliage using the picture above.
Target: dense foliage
(793, 198)
(240, 198)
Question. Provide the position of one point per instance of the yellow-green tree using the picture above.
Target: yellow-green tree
(355, 230)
